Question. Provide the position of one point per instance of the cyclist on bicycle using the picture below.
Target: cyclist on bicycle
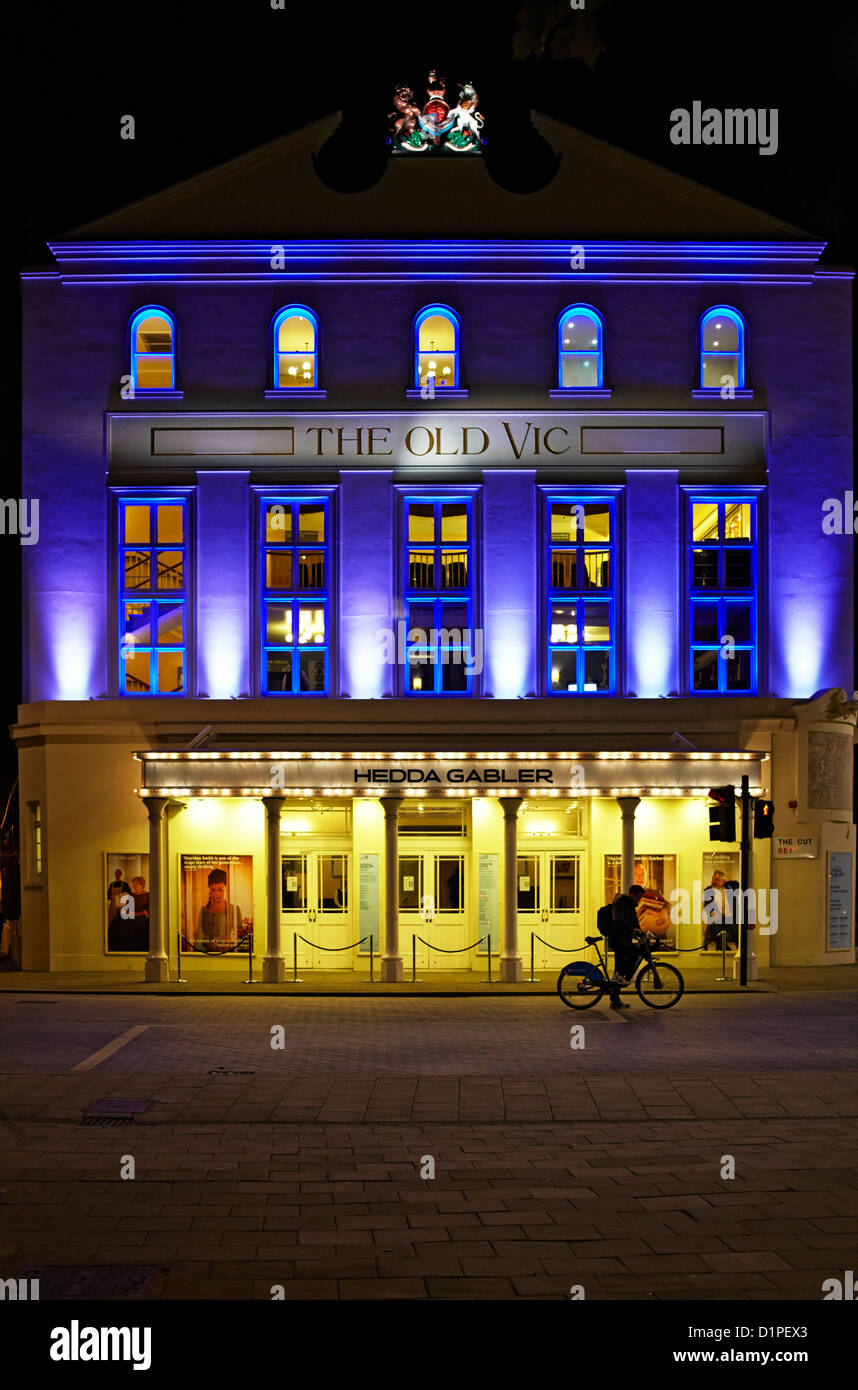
(624, 930)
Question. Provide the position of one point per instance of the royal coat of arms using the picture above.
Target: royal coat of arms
(437, 126)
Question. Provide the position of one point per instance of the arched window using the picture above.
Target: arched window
(722, 348)
(296, 349)
(580, 337)
(153, 350)
(437, 338)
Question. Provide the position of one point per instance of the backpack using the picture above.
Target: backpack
(605, 921)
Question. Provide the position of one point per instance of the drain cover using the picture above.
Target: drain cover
(119, 1107)
(91, 1281)
(107, 1121)
(224, 1071)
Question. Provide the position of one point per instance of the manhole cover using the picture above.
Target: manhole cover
(119, 1107)
(91, 1281)
(107, 1121)
(224, 1071)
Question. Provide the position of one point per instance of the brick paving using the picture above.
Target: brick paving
(553, 1167)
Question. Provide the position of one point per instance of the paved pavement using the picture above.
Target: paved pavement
(554, 1165)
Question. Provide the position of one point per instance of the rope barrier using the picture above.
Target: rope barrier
(317, 947)
(296, 936)
(445, 951)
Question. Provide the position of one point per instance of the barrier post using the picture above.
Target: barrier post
(249, 979)
(490, 957)
(371, 945)
(723, 977)
(413, 959)
(179, 979)
(295, 979)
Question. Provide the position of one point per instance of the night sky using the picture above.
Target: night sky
(208, 81)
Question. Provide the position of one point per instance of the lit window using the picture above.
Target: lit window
(153, 350)
(722, 349)
(438, 598)
(153, 594)
(296, 349)
(580, 349)
(579, 591)
(722, 581)
(436, 348)
(35, 839)
(295, 582)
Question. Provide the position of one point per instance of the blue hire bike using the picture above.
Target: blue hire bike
(581, 984)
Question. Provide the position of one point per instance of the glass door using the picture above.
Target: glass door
(432, 889)
(316, 905)
(550, 904)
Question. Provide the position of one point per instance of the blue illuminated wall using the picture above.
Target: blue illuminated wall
(798, 366)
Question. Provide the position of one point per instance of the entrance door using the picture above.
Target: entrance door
(316, 903)
(433, 905)
(550, 904)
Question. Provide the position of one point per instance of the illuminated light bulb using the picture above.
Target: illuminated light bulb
(293, 371)
(306, 366)
(715, 344)
(593, 342)
(447, 371)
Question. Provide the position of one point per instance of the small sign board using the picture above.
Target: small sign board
(795, 847)
(840, 929)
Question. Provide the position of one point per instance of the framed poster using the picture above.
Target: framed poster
(217, 902)
(126, 888)
(656, 874)
(488, 902)
(840, 927)
(368, 900)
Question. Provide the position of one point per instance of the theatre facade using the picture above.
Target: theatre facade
(413, 562)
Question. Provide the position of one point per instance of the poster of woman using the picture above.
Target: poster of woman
(217, 902)
(126, 879)
(656, 874)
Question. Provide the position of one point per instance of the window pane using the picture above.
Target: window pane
(706, 670)
(454, 676)
(721, 334)
(441, 367)
(154, 334)
(333, 885)
(171, 673)
(579, 332)
(137, 630)
(449, 884)
(563, 671)
(421, 569)
(170, 525)
(410, 882)
(714, 368)
(704, 521)
(563, 623)
(311, 625)
(737, 521)
(579, 371)
(564, 884)
(421, 676)
(737, 569)
(278, 673)
(597, 522)
(171, 624)
(296, 334)
(597, 622)
(564, 569)
(311, 569)
(454, 569)
(311, 524)
(136, 525)
(454, 619)
(312, 672)
(137, 678)
(437, 334)
(278, 569)
(739, 671)
(154, 373)
(421, 523)
(454, 523)
(294, 881)
(296, 370)
(137, 569)
(704, 569)
(421, 620)
(278, 625)
(527, 878)
(564, 521)
(597, 670)
(171, 568)
(738, 622)
(278, 523)
(597, 569)
(704, 622)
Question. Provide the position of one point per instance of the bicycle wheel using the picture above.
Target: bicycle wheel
(660, 985)
(577, 986)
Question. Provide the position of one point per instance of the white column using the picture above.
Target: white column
(391, 959)
(510, 961)
(273, 962)
(628, 805)
(157, 964)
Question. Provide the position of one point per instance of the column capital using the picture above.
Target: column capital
(273, 806)
(511, 805)
(628, 805)
(391, 805)
(156, 806)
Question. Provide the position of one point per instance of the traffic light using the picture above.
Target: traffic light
(722, 816)
(764, 820)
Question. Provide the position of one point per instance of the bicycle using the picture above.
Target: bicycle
(659, 985)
